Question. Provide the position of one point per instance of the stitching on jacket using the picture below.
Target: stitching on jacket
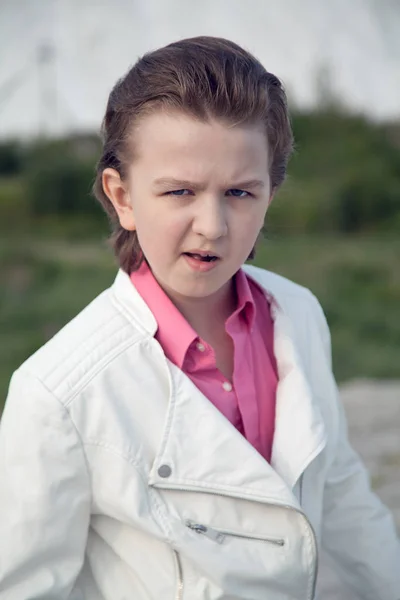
(95, 331)
(115, 450)
(310, 553)
(76, 430)
(170, 413)
(79, 358)
(156, 504)
(224, 488)
(123, 310)
(100, 366)
(227, 488)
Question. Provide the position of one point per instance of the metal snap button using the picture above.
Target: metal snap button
(164, 471)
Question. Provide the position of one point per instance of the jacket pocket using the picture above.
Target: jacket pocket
(219, 535)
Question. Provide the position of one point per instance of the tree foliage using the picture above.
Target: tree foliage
(344, 176)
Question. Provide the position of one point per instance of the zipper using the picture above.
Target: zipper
(301, 490)
(219, 535)
(179, 585)
(287, 506)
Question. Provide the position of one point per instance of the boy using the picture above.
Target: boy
(182, 437)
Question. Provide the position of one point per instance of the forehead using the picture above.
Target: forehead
(171, 140)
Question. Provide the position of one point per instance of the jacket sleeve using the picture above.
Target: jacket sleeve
(358, 531)
(44, 495)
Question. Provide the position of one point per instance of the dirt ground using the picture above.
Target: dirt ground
(373, 413)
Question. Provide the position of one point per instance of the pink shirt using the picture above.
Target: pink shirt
(249, 400)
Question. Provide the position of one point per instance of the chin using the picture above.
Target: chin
(204, 291)
(196, 292)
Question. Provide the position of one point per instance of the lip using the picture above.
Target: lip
(199, 265)
(202, 252)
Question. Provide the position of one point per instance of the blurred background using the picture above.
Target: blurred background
(334, 226)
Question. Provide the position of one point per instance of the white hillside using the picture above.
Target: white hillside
(59, 58)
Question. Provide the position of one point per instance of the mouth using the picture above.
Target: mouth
(202, 256)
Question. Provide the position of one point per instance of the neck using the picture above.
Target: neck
(206, 315)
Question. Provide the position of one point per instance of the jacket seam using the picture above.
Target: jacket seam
(124, 455)
(85, 340)
(77, 434)
(125, 311)
(224, 488)
(98, 368)
(154, 505)
(310, 553)
(170, 413)
(76, 365)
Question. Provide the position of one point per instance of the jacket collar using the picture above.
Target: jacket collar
(127, 298)
(229, 464)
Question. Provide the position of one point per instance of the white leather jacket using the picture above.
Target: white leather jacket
(119, 480)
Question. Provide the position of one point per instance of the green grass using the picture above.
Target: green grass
(45, 283)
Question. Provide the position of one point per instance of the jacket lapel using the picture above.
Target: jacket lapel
(204, 451)
(299, 428)
(300, 433)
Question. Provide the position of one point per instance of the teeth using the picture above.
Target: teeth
(207, 258)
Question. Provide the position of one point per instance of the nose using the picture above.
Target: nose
(210, 220)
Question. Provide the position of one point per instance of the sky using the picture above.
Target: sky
(60, 58)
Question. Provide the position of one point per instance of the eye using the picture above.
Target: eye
(238, 193)
(183, 192)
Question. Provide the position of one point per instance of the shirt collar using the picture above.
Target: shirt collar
(174, 333)
(245, 302)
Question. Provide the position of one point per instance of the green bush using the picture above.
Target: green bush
(61, 185)
(11, 158)
(14, 209)
(60, 178)
(367, 202)
(343, 177)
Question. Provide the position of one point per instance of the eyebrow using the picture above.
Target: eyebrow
(183, 183)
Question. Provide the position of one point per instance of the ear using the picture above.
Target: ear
(271, 197)
(116, 191)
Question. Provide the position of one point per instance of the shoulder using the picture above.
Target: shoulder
(99, 333)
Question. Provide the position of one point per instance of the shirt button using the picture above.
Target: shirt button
(164, 471)
(227, 386)
(201, 347)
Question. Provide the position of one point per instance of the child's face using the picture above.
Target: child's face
(197, 186)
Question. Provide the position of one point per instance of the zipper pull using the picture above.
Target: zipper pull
(213, 535)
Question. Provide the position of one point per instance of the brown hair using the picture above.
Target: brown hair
(205, 77)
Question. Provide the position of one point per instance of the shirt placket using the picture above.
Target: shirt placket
(200, 361)
(244, 382)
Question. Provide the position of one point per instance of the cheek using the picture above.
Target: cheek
(172, 218)
(251, 218)
(160, 228)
